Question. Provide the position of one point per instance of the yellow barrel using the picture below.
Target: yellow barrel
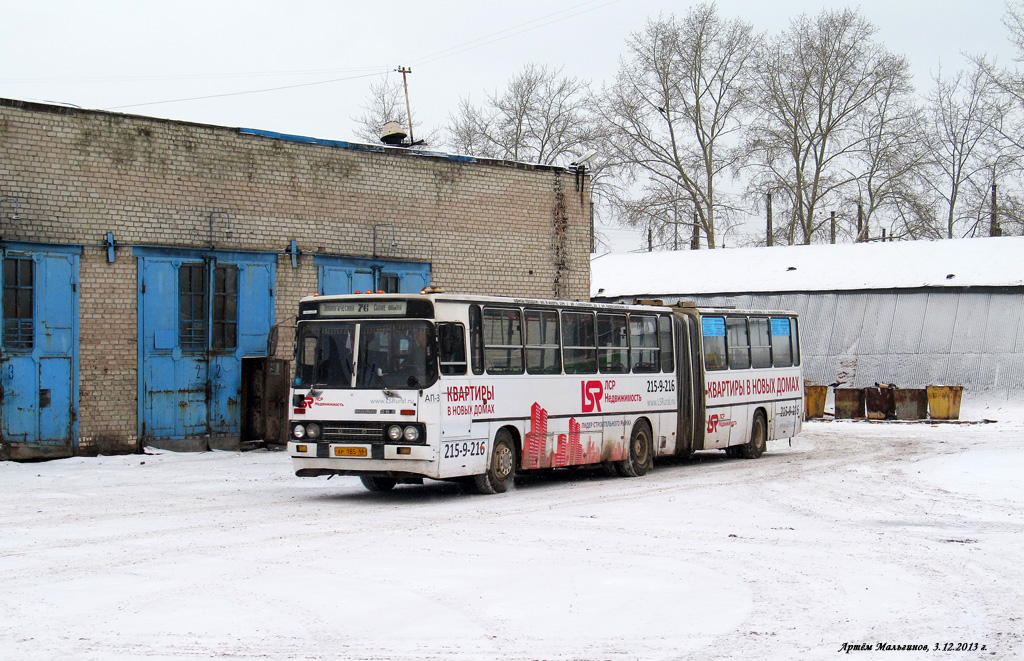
(814, 401)
(944, 402)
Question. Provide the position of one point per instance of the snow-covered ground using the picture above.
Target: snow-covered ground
(857, 533)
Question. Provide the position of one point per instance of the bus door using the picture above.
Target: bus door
(690, 395)
(454, 375)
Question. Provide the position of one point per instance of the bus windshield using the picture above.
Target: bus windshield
(391, 355)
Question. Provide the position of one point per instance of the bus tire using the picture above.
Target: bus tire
(501, 471)
(378, 483)
(758, 438)
(639, 455)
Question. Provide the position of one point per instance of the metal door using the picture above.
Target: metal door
(200, 313)
(346, 275)
(39, 351)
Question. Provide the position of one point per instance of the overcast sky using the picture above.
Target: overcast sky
(204, 61)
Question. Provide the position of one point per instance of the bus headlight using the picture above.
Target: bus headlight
(299, 432)
(312, 431)
(394, 432)
(411, 434)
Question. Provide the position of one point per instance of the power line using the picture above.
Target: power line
(190, 76)
(269, 89)
(512, 31)
(375, 71)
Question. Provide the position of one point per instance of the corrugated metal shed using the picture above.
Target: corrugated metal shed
(987, 262)
(907, 333)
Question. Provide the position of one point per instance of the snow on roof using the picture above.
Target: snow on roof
(984, 262)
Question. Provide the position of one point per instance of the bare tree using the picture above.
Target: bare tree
(675, 111)
(1009, 82)
(385, 103)
(817, 81)
(1006, 119)
(540, 117)
(887, 167)
(960, 124)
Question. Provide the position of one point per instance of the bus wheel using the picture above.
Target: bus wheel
(758, 438)
(639, 458)
(502, 471)
(378, 483)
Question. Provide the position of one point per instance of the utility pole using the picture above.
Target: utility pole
(408, 108)
(862, 231)
(675, 225)
(695, 238)
(993, 228)
(833, 236)
(769, 239)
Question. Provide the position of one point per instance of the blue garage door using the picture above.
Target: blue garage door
(200, 313)
(39, 351)
(347, 275)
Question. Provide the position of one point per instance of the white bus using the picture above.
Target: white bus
(397, 387)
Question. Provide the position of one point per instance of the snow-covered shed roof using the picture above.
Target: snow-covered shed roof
(983, 262)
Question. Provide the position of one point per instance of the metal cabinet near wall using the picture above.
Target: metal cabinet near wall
(347, 275)
(200, 313)
(39, 351)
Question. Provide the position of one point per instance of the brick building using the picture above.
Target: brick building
(143, 258)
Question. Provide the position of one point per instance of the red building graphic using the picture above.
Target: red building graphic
(562, 453)
(575, 449)
(568, 449)
(535, 455)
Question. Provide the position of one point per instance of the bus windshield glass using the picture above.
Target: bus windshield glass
(391, 355)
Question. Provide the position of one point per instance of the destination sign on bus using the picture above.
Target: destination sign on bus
(363, 308)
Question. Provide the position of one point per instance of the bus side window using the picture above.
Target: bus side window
(713, 330)
(542, 342)
(795, 337)
(579, 348)
(760, 343)
(782, 349)
(451, 348)
(738, 343)
(668, 363)
(612, 343)
(643, 337)
(503, 341)
(476, 338)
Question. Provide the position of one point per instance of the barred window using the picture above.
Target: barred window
(192, 313)
(18, 303)
(225, 307)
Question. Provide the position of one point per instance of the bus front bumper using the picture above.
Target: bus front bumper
(310, 459)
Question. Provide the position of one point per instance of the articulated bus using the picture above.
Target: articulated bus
(395, 388)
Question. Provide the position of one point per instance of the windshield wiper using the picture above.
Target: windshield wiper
(378, 373)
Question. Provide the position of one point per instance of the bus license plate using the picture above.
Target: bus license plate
(349, 452)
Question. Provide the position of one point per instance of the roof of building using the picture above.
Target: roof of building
(65, 109)
(983, 262)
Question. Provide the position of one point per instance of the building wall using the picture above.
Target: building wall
(972, 337)
(73, 176)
